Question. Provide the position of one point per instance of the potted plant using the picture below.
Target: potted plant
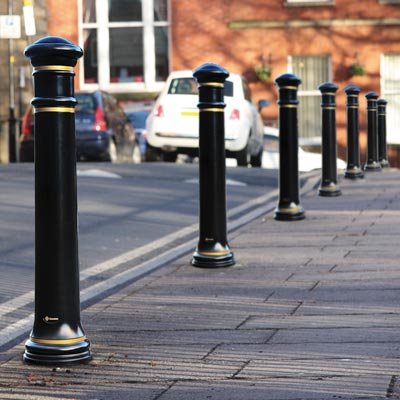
(263, 72)
(357, 69)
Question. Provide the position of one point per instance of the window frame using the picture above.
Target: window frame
(302, 3)
(392, 112)
(102, 26)
(310, 92)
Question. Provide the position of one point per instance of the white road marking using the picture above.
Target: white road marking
(97, 173)
(262, 203)
(229, 182)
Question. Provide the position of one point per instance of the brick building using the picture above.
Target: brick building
(21, 71)
(131, 45)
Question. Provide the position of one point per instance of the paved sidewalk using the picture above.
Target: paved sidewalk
(310, 311)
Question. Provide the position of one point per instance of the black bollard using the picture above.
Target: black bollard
(329, 186)
(372, 163)
(382, 148)
(57, 336)
(213, 249)
(289, 207)
(353, 169)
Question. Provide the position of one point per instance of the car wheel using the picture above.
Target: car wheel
(242, 157)
(151, 154)
(25, 156)
(256, 161)
(169, 156)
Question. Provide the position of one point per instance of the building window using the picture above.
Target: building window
(390, 88)
(312, 70)
(125, 43)
(389, 2)
(308, 2)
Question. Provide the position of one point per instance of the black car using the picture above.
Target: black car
(103, 131)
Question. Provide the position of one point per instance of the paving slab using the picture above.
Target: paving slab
(315, 351)
(311, 310)
(313, 307)
(330, 368)
(344, 388)
(323, 321)
(335, 335)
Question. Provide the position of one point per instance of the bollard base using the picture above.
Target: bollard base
(354, 173)
(372, 166)
(329, 191)
(384, 163)
(289, 214)
(208, 260)
(56, 352)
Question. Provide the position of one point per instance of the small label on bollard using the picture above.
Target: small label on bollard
(50, 320)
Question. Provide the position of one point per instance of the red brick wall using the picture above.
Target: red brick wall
(63, 21)
(201, 33)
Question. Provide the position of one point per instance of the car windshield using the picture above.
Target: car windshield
(86, 103)
(189, 86)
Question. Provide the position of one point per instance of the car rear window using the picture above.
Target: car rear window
(86, 103)
(189, 86)
(138, 118)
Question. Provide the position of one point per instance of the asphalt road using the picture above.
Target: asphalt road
(128, 214)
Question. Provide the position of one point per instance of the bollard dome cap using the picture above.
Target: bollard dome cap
(210, 72)
(53, 50)
(382, 102)
(287, 79)
(328, 87)
(371, 96)
(352, 89)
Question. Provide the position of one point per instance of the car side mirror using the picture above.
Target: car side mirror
(263, 103)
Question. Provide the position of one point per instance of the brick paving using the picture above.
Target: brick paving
(309, 311)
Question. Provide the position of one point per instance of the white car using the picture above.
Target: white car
(173, 125)
(307, 161)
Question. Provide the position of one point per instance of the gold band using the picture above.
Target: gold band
(289, 87)
(328, 107)
(53, 68)
(289, 106)
(212, 109)
(216, 84)
(372, 109)
(330, 93)
(214, 253)
(54, 109)
(290, 210)
(352, 107)
(329, 188)
(58, 341)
